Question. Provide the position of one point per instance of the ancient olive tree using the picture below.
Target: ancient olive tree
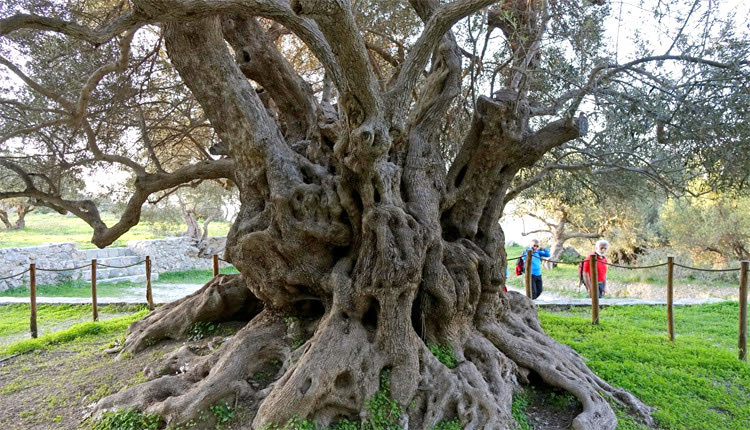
(359, 233)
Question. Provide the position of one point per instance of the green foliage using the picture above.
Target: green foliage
(297, 343)
(710, 226)
(453, 424)
(346, 425)
(267, 372)
(697, 382)
(561, 401)
(128, 419)
(202, 329)
(74, 333)
(14, 318)
(384, 411)
(294, 423)
(520, 404)
(444, 354)
(223, 413)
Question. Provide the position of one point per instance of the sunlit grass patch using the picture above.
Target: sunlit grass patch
(74, 229)
(76, 332)
(697, 382)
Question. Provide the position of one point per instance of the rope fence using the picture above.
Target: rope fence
(93, 265)
(593, 291)
(69, 269)
(121, 267)
(16, 275)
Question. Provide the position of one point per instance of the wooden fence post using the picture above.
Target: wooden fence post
(742, 343)
(594, 289)
(527, 276)
(149, 296)
(670, 298)
(94, 311)
(216, 265)
(32, 298)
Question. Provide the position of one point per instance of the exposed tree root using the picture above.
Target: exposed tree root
(518, 335)
(201, 381)
(337, 370)
(220, 299)
(478, 391)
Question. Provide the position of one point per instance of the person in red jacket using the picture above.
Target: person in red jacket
(601, 268)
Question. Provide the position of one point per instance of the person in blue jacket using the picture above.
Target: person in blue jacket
(537, 253)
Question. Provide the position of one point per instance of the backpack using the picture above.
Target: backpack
(520, 266)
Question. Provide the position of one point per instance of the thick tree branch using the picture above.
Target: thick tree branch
(100, 155)
(199, 52)
(19, 172)
(65, 103)
(127, 22)
(257, 54)
(439, 22)
(358, 88)
(118, 66)
(144, 187)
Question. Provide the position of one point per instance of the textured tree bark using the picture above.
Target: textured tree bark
(353, 238)
(5, 220)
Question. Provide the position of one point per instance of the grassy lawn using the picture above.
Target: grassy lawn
(73, 289)
(14, 320)
(695, 383)
(194, 276)
(72, 229)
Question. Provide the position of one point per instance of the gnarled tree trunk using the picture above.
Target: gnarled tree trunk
(350, 225)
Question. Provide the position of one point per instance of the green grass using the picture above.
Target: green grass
(77, 332)
(73, 289)
(695, 383)
(195, 276)
(14, 318)
(72, 229)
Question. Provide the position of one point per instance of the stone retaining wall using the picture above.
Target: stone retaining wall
(167, 255)
(53, 256)
(179, 253)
